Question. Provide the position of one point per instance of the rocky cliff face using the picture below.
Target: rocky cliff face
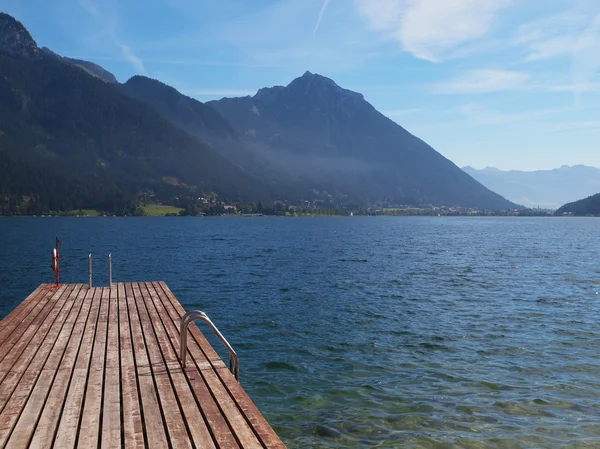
(15, 39)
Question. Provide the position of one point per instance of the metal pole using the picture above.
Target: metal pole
(90, 270)
(110, 270)
(234, 364)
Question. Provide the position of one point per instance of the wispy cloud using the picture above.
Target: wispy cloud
(205, 63)
(587, 124)
(183, 62)
(572, 35)
(218, 92)
(90, 7)
(482, 81)
(577, 87)
(280, 33)
(430, 29)
(320, 17)
(478, 113)
(497, 80)
(108, 28)
(559, 35)
(400, 112)
(133, 59)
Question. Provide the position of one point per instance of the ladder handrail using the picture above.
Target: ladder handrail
(193, 315)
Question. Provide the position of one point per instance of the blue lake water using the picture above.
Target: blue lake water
(370, 331)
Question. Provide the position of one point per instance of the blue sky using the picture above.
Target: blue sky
(513, 84)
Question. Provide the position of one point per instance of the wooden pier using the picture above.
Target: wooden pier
(100, 368)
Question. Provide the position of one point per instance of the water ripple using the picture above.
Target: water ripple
(372, 332)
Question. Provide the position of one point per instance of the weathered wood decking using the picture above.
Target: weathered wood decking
(99, 368)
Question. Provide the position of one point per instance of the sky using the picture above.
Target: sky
(513, 84)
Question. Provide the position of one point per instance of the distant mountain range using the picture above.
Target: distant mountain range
(543, 188)
(72, 137)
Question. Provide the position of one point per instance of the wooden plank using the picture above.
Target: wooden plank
(46, 428)
(151, 412)
(12, 320)
(27, 334)
(169, 339)
(209, 353)
(111, 417)
(173, 419)
(261, 427)
(17, 310)
(21, 330)
(239, 422)
(66, 434)
(30, 353)
(100, 368)
(195, 420)
(21, 421)
(133, 435)
(89, 430)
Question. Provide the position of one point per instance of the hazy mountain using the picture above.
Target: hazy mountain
(543, 188)
(334, 138)
(192, 115)
(68, 139)
(586, 206)
(204, 122)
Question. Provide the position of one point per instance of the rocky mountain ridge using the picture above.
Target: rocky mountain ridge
(15, 40)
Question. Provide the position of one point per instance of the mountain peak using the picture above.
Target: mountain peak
(313, 83)
(15, 39)
(313, 79)
(141, 79)
(141, 83)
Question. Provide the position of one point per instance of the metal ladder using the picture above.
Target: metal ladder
(110, 282)
(234, 364)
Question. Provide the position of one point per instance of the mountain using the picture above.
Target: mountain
(344, 147)
(187, 113)
(586, 206)
(15, 40)
(86, 66)
(205, 123)
(543, 188)
(70, 140)
(72, 137)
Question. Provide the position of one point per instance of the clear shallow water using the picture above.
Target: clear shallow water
(371, 331)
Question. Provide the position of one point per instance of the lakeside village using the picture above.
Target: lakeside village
(325, 208)
(210, 205)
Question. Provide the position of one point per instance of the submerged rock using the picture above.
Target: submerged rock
(327, 432)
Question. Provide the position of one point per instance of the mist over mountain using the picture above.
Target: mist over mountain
(71, 136)
(206, 124)
(542, 188)
(335, 139)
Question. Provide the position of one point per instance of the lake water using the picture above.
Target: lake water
(370, 331)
